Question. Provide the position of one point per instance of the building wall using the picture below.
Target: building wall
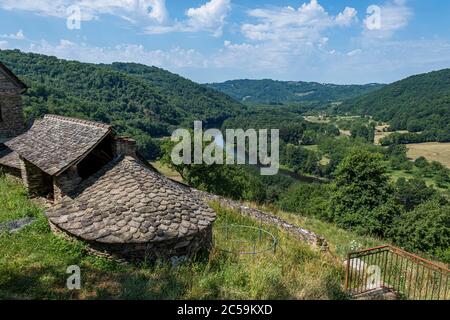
(11, 118)
(65, 183)
(10, 172)
(178, 248)
(35, 180)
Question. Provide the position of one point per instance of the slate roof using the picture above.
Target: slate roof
(55, 143)
(9, 158)
(127, 202)
(13, 77)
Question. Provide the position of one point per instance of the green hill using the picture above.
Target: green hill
(142, 101)
(285, 92)
(418, 103)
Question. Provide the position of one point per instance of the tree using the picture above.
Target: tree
(426, 229)
(411, 193)
(361, 197)
(306, 199)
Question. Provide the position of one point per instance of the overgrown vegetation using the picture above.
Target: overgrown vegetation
(33, 265)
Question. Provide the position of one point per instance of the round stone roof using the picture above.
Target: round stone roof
(127, 202)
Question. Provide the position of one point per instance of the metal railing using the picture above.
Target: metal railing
(395, 270)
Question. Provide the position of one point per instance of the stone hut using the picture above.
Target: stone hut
(129, 210)
(103, 192)
(57, 153)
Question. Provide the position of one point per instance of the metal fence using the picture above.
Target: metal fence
(393, 269)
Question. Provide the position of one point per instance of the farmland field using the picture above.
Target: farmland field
(433, 151)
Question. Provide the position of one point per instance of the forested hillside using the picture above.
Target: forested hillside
(141, 101)
(418, 103)
(285, 92)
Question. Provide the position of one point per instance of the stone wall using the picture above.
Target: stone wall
(300, 233)
(10, 172)
(65, 183)
(11, 115)
(124, 146)
(178, 248)
(35, 180)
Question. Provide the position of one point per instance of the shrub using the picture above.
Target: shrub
(426, 229)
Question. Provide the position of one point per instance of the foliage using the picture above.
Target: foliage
(306, 199)
(284, 92)
(140, 101)
(361, 197)
(411, 193)
(418, 103)
(426, 229)
(364, 131)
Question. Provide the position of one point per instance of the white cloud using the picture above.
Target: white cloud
(346, 17)
(3, 45)
(209, 17)
(354, 52)
(304, 25)
(393, 15)
(153, 10)
(151, 15)
(280, 38)
(17, 36)
(173, 59)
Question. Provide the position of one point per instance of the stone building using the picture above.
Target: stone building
(11, 118)
(129, 210)
(103, 192)
(11, 115)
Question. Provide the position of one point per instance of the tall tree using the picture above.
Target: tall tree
(361, 197)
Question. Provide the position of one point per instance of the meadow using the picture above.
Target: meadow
(432, 151)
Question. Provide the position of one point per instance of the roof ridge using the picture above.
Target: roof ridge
(19, 83)
(79, 121)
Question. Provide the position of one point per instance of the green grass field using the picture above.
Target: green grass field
(33, 264)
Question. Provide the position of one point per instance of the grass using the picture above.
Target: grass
(13, 202)
(165, 170)
(33, 264)
(416, 173)
(433, 151)
(340, 241)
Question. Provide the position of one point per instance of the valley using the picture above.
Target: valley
(344, 175)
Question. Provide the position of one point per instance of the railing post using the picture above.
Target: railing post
(347, 275)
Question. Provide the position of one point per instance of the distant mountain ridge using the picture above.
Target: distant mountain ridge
(284, 92)
(417, 103)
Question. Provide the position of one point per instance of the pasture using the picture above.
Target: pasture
(432, 151)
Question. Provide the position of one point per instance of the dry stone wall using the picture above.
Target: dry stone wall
(300, 233)
(35, 180)
(176, 249)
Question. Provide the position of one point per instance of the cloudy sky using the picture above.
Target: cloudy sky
(334, 41)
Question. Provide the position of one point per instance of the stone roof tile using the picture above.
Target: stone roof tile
(137, 205)
(55, 142)
(9, 158)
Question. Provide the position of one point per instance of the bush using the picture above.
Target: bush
(425, 229)
(361, 197)
(307, 199)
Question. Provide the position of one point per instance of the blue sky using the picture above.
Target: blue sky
(348, 41)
